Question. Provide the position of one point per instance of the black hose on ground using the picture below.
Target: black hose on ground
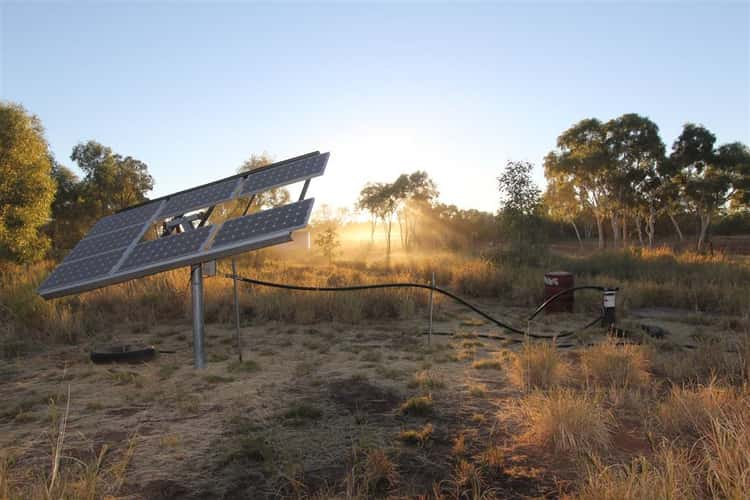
(436, 289)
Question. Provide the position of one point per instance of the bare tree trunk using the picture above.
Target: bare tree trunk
(615, 230)
(373, 226)
(705, 219)
(578, 235)
(676, 226)
(638, 230)
(624, 230)
(651, 226)
(600, 230)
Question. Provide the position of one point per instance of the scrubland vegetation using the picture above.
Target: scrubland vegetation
(620, 418)
(341, 395)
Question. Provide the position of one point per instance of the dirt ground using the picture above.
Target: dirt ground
(294, 419)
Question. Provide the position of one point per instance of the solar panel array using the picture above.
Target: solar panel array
(113, 252)
(299, 170)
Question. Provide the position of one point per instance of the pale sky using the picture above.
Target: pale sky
(454, 88)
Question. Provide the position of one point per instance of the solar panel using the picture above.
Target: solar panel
(129, 217)
(82, 270)
(201, 197)
(282, 219)
(169, 247)
(288, 173)
(112, 251)
(93, 245)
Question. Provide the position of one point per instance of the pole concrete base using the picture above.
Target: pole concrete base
(196, 286)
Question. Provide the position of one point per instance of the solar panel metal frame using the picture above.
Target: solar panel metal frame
(119, 274)
(249, 189)
(147, 213)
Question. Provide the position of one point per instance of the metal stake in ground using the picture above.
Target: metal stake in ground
(236, 310)
(432, 291)
(196, 285)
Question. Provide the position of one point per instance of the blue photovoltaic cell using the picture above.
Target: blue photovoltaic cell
(285, 174)
(198, 198)
(83, 269)
(105, 242)
(125, 218)
(265, 223)
(177, 245)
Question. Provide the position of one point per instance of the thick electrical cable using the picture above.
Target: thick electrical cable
(442, 291)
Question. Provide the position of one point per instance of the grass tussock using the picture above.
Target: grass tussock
(611, 365)
(689, 412)
(419, 406)
(380, 473)
(668, 476)
(565, 421)
(488, 364)
(418, 437)
(538, 365)
(427, 381)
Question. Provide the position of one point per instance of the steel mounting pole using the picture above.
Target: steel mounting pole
(196, 285)
(236, 309)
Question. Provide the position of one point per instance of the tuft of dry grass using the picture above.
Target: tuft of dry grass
(427, 380)
(669, 476)
(416, 436)
(611, 365)
(538, 365)
(467, 479)
(727, 453)
(488, 364)
(565, 421)
(417, 406)
(690, 411)
(380, 473)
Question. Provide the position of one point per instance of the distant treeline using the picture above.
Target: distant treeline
(617, 170)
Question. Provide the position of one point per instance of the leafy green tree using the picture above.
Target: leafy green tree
(709, 178)
(636, 151)
(416, 192)
(562, 202)
(636, 179)
(520, 201)
(583, 160)
(66, 227)
(26, 186)
(368, 201)
(111, 182)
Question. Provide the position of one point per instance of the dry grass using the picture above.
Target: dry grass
(538, 365)
(668, 476)
(690, 412)
(416, 436)
(427, 380)
(380, 473)
(611, 365)
(565, 421)
(488, 364)
(417, 406)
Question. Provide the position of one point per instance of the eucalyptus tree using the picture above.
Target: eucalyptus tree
(709, 177)
(583, 160)
(564, 203)
(111, 181)
(635, 180)
(26, 186)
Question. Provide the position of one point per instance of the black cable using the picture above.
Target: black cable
(412, 285)
(559, 294)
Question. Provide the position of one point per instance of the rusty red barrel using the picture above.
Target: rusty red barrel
(557, 281)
